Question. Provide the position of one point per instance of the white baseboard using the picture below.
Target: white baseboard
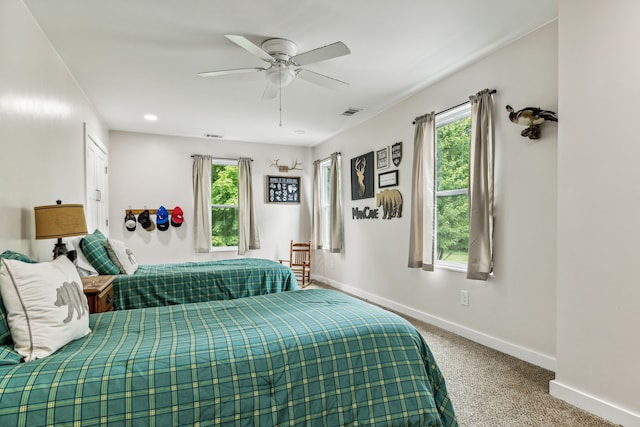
(533, 357)
(594, 405)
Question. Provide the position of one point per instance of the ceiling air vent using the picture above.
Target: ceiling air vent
(212, 135)
(351, 111)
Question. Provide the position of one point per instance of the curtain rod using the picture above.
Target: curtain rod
(328, 157)
(456, 106)
(215, 157)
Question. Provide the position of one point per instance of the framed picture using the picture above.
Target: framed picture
(388, 179)
(283, 189)
(382, 158)
(396, 153)
(362, 181)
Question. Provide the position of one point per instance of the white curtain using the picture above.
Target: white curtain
(335, 205)
(481, 166)
(422, 228)
(202, 203)
(317, 205)
(248, 237)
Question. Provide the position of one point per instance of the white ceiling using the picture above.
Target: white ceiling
(133, 57)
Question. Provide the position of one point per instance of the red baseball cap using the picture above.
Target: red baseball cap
(177, 217)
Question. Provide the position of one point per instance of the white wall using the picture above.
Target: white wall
(152, 170)
(598, 297)
(42, 111)
(515, 310)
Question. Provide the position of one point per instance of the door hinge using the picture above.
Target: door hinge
(105, 170)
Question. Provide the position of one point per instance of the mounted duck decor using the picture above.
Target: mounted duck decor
(532, 117)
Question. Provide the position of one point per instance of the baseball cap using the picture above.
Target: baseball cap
(177, 217)
(162, 218)
(145, 221)
(130, 221)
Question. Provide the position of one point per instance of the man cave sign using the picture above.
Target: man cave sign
(389, 200)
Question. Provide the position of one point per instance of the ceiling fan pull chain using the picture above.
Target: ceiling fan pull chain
(280, 85)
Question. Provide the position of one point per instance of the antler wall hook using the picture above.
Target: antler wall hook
(285, 168)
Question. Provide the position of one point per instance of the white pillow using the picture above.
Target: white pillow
(46, 306)
(84, 266)
(121, 256)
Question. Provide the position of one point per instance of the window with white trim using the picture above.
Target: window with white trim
(224, 203)
(453, 141)
(325, 197)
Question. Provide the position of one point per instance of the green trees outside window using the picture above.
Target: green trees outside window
(224, 204)
(452, 197)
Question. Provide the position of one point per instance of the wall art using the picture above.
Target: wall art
(396, 153)
(388, 179)
(362, 184)
(382, 158)
(391, 202)
(283, 189)
(532, 118)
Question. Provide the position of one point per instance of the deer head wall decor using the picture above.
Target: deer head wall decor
(362, 174)
(361, 164)
(285, 168)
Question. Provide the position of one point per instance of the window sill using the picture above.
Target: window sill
(224, 249)
(460, 268)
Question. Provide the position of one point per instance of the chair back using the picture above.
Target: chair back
(300, 254)
(300, 262)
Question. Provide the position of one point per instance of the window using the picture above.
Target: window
(224, 203)
(325, 198)
(453, 141)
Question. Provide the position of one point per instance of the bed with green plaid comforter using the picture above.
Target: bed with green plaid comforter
(154, 285)
(308, 357)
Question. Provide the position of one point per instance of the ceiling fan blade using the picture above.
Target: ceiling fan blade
(270, 91)
(232, 71)
(333, 50)
(321, 79)
(250, 47)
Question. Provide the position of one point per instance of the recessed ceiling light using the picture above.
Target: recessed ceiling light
(151, 117)
(300, 132)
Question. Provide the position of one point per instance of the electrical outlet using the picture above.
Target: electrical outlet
(464, 297)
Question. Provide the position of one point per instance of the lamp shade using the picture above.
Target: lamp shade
(56, 221)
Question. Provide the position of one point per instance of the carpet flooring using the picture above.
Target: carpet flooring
(492, 389)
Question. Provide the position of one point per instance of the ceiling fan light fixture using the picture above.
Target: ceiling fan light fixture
(280, 76)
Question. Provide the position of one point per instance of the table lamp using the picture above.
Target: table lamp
(58, 221)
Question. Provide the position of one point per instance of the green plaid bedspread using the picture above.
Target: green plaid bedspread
(154, 285)
(312, 358)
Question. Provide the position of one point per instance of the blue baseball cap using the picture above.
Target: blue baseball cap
(162, 218)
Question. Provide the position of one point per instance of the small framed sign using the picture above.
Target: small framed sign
(396, 153)
(283, 189)
(388, 179)
(382, 158)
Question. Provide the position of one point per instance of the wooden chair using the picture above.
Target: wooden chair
(300, 262)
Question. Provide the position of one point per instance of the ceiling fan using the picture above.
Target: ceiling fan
(285, 62)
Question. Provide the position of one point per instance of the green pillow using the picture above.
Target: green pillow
(93, 249)
(8, 356)
(18, 256)
(5, 334)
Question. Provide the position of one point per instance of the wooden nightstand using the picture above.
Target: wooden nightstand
(99, 292)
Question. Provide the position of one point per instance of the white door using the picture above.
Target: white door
(96, 169)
